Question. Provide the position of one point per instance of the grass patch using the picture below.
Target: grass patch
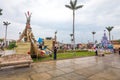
(66, 55)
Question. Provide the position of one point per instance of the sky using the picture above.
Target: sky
(49, 16)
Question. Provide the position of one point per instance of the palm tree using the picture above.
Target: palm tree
(6, 25)
(93, 35)
(0, 11)
(73, 6)
(109, 29)
(55, 36)
(71, 35)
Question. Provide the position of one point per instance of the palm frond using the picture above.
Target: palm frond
(109, 28)
(72, 4)
(93, 32)
(112, 27)
(6, 23)
(0, 11)
(75, 2)
(68, 6)
(77, 7)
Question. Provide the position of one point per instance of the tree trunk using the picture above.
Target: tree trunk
(74, 29)
(6, 36)
(93, 38)
(109, 36)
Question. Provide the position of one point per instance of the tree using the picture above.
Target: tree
(0, 11)
(73, 6)
(118, 41)
(12, 45)
(93, 35)
(1, 40)
(109, 29)
(6, 25)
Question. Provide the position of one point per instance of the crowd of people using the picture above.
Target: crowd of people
(101, 52)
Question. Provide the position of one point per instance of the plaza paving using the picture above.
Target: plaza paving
(87, 68)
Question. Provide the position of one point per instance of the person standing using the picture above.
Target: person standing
(96, 52)
(40, 46)
(55, 53)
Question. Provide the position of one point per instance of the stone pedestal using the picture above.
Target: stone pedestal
(22, 47)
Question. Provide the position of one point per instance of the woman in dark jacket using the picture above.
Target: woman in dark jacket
(55, 53)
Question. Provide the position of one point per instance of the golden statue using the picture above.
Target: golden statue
(27, 33)
(28, 36)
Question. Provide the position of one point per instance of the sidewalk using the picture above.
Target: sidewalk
(88, 68)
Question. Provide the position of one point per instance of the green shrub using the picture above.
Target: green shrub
(12, 45)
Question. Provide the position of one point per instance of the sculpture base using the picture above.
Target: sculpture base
(23, 47)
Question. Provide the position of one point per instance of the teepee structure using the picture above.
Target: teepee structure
(29, 44)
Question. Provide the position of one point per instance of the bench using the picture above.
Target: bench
(15, 59)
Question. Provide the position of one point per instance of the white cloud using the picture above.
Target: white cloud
(51, 15)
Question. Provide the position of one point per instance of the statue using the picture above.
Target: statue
(105, 41)
(27, 33)
(28, 36)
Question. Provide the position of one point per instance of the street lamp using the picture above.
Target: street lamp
(93, 35)
(71, 39)
(6, 23)
(19, 34)
(55, 38)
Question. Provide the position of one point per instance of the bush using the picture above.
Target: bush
(12, 45)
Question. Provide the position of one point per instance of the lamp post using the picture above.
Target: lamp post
(93, 36)
(6, 23)
(19, 34)
(71, 40)
(55, 38)
(55, 46)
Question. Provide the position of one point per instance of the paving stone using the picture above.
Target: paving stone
(40, 76)
(15, 78)
(42, 69)
(96, 78)
(67, 70)
(74, 76)
(59, 78)
(87, 68)
(108, 74)
(89, 71)
(55, 73)
(84, 72)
